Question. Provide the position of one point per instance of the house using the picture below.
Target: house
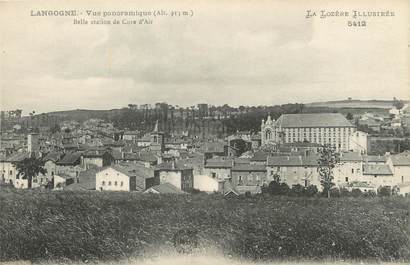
(247, 177)
(85, 181)
(378, 175)
(404, 189)
(400, 164)
(259, 158)
(61, 180)
(69, 164)
(126, 177)
(349, 169)
(206, 183)
(164, 188)
(294, 170)
(218, 168)
(130, 136)
(96, 158)
(50, 164)
(179, 175)
(9, 172)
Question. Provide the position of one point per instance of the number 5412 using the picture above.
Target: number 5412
(356, 23)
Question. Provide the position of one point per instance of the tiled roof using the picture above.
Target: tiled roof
(53, 156)
(249, 168)
(313, 120)
(70, 159)
(219, 162)
(401, 160)
(259, 156)
(87, 178)
(293, 160)
(376, 170)
(134, 169)
(172, 166)
(165, 188)
(16, 157)
(374, 158)
(351, 156)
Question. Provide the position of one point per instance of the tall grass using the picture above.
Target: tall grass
(79, 226)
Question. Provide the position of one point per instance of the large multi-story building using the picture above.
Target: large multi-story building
(320, 128)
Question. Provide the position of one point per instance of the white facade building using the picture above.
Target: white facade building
(320, 128)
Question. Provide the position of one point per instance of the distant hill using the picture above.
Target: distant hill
(354, 103)
(81, 115)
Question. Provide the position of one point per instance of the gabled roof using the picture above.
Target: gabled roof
(284, 161)
(16, 157)
(70, 159)
(374, 158)
(377, 170)
(165, 188)
(134, 169)
(401, 160)
(87, 178)
(293, 161)
(260, 156)
(53, 156)
(172, 166)
(313, 120)
(351, 156)
(219, 162)
(249, 168)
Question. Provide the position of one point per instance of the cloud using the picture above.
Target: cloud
(252, 54)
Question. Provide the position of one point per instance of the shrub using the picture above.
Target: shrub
(277, 188)
(297, 190)
(384, 191)
(311, 190)
(356, 193)
(345, 192)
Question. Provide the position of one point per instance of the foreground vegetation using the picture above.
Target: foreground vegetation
(39, 225)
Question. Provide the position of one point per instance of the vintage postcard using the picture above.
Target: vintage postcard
(205, 132)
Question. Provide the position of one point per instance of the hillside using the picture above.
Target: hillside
(72, 226)
(354, 103)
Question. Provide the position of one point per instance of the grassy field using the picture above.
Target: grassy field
(75, 226)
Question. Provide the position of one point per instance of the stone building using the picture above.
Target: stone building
(320, 128)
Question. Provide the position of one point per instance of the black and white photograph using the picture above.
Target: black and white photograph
(205, 132)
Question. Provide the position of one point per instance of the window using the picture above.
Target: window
(52, 173)
(121, 184)
(11, 172)
(109, 183)
(213, 175)
(240, 181)
(347, 179)
(103, 183)
(115, 183)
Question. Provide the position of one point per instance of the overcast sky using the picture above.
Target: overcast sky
(241, 54)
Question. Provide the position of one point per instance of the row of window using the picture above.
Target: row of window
(110, 183)
(319, 129)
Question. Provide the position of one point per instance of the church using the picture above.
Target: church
(320, 128)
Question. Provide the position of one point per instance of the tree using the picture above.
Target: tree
(349, 116)
(399, 104)
(276, 188)
(329, 158)
(30, 167)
